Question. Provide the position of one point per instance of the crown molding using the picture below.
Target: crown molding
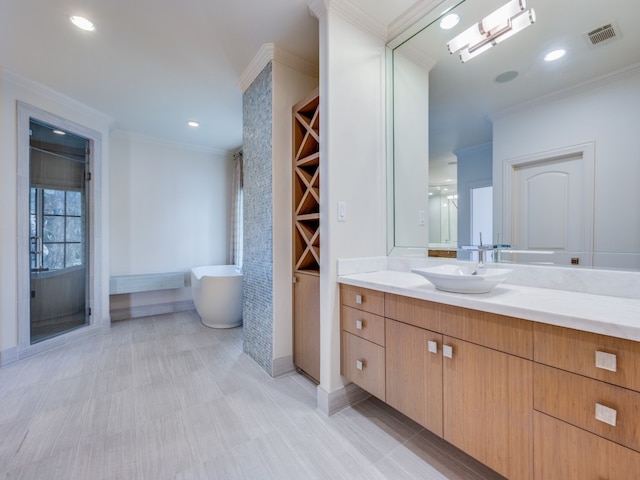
(145, 137)
(410, 22)
(618, 75)
(257, 64)
(269, 52)
(299, 64)
(318, 8)
(416, 56)
(352, 14)
(51, 94)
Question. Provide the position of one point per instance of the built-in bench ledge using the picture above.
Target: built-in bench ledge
(145, 283)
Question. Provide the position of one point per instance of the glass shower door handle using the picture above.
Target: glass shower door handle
(35, 242)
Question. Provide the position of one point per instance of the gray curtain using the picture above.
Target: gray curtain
(235, 245)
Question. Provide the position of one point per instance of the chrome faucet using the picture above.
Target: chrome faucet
(481, 249)
(481, 254)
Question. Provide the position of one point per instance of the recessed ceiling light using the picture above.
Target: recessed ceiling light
(83, 23)
(555, 55)
(193, 123)
(59, 132)
(449, 21)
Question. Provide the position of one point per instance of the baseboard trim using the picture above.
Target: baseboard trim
(126, 313)
(8, 356)
(17, 354)
(331, 403)
(282, 366)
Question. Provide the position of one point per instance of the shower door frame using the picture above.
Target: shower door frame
(26, 113)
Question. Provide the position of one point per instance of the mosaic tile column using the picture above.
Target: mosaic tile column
(258, 219)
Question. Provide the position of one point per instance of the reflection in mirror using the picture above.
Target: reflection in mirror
(443, 217)
(557, 140)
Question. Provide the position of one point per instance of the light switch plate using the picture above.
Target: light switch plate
(342, 211)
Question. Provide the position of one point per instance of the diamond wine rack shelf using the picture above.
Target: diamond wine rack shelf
(306, 185)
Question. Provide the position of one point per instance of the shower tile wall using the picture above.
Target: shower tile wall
(258, 225)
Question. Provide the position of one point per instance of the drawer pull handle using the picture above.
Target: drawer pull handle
(606, 415)
(606, 361)
(360, 364)
(447, 351)
(359, 324)
(433, 346)
(359, 299)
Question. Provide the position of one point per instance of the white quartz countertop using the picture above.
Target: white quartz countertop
(618, 317)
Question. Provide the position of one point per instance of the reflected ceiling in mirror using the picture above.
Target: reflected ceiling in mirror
(600, 40)
(464, 96)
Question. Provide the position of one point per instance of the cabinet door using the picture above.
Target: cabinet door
(414, 374)
(306, 324)
(563, 451)
(488, 406)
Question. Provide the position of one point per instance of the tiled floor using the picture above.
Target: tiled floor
(167, 398)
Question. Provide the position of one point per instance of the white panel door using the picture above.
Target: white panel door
(548, 211)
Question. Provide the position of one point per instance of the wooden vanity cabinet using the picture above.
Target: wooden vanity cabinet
(472, 386)
(487, 399)
(414, 373)
(488, 389)
(527, 399)
(563, 452)
(362, 352)
(414, 359)
(587, 402)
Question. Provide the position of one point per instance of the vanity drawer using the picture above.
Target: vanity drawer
(563, 452)
(589, 354)
(363, 363)
(498, 332)
(580, 400)
(362, 298)
(416, 312)
(363, 324)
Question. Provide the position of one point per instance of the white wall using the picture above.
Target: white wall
(289, 87)
(14, 88)
(169, 206)
(609, 115)
(352, 147)
(475, 169)
(411, 149)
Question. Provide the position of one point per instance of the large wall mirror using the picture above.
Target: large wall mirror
(539, 154)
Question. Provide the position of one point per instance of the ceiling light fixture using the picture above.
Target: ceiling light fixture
(83, 23)
(449, 21)
(554, 55)
(193, 123)
(491, 30)
(59, 132)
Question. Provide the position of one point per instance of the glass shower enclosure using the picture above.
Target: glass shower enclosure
(58, 239)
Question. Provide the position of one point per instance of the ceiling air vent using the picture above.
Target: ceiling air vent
(601, 35)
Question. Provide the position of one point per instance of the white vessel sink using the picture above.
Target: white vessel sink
(462, 279)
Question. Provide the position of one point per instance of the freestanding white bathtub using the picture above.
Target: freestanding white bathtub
(217, 293)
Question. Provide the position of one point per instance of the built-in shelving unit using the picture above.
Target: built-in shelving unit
(306, 235)
(306, 184)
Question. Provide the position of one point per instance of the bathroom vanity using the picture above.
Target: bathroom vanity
(540, 394)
